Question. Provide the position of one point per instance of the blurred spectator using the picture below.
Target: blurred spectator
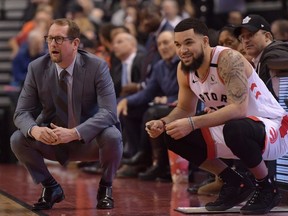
(76, 12)
(161, 90)
(41, 20)
(59, 8)
(222, 12)
(152, 24)
(127, 75)
(215, 13)
(213, 37)
(87, 44)
(118, 16)
(234, 18)
(87, 5)
(131, 19)
(107, 32)
(125, 49)
(186, 8)
(86, 27)
(85, 9)
(28, 51)
(228, 39)
(279, 29)
(171, 13)
(33, 48)
(257, 39)
(32, 7)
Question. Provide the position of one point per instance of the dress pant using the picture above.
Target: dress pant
(107, 147)
(132, 125)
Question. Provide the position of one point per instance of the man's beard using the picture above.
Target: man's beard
(56, 60)
(197, 62)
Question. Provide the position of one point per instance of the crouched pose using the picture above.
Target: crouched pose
(243, 121)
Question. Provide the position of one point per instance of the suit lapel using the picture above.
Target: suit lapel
(77, 87)
(51, 77)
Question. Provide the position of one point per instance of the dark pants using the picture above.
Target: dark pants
(107, 147)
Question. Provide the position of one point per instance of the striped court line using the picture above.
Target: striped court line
(11, 206)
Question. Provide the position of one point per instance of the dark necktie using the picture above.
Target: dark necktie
(62, 114)
(62, 101)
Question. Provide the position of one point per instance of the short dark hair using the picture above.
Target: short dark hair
(230, 28)
(192, 23)
(73, 28)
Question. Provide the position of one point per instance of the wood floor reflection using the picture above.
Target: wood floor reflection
(132, 197)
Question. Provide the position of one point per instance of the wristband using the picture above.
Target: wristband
(191, 123)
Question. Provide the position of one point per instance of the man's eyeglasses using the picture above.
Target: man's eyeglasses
(58, 39)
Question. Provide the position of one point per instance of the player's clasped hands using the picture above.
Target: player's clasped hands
(176, 129)
(154, 128)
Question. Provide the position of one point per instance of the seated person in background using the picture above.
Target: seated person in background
(279, 28)
(127, 75)
(228, 39)
(33, 48)
(257, 40)
(42, 19)
(162, 90)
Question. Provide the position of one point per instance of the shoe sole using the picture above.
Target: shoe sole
(48, 206)
(262, 211)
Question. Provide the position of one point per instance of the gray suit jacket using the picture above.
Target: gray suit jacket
(93, 96)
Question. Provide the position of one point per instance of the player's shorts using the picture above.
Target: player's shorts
(276, 141)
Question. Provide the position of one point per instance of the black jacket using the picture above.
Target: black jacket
(275, 50)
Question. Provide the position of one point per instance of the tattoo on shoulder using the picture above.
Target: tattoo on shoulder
(231, 69)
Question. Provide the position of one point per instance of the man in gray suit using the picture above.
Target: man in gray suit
(92, 130)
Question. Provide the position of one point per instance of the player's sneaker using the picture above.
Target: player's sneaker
(230, 196)
(262, 200)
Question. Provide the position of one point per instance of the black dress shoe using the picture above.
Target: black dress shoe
(140, 157)
(49, 197)
(156, 172)
(104, 198)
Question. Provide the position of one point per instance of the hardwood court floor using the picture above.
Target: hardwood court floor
(132, 197)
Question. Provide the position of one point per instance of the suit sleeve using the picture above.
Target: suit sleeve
(28, 104)
(105, 115)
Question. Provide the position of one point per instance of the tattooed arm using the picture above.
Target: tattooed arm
(234, 69)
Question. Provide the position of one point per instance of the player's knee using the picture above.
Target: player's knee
(233, 132)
